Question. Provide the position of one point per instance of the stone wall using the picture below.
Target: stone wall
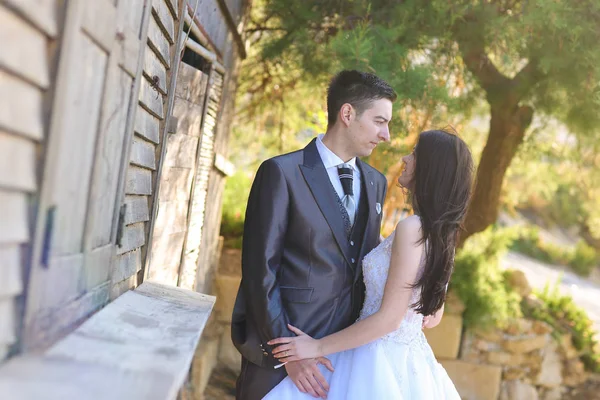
(523, 361)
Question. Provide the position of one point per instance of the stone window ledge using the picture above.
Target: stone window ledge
(140, 346)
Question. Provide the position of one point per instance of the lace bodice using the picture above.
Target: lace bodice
(375, 270)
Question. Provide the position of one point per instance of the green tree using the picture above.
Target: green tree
(521, 57)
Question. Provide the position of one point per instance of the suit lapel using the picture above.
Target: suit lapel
(370, 191)
(318, 181)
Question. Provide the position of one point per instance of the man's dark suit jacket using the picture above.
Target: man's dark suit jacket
(297, 261)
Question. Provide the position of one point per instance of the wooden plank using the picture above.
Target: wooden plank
(191, 84)
(41, 13)
(63, 281)
(17, 162)
(147, 125)
(137, 209)
(4, 349)
(189, 117)
(13, 217)
(139, 181)
(166, 256)
(134, 236)
(181, 151)
(175, 184)
(155, 71)
(130, 15)
(26, 56)
(173, 7)
(159, 43)
(76, 123)
(8, 321)
(127, 51)
(20, 107)
(171, 218)
(10, 263)
(124, 286)
(139, 347)
(97, 265)
(45, 329)
(143, 153)
(151, 99)
(164, 18)
(99, 20)
(127, 265)
(109, 148)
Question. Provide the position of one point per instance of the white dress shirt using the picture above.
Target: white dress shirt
(331, 162)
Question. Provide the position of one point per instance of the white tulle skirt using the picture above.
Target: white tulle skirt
(380, 370)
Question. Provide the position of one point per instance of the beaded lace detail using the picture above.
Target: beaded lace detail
(375, 271)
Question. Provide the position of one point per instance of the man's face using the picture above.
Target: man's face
(370, 128)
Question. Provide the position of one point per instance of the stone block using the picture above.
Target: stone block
(231, 262)
(454, 304)
(566, 346)
(518, 390)
(541, 328)
(519, 326)
(474, 381)
(553, 394)
(574, 372)
(512, 373)
(527, 344)
(550, 374)
(205, 360)
(227, 288)
(490, 334)
(229, 356)
(518, 281)
(445, 338)
(505, 358)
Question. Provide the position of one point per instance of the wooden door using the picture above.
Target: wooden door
(87, 149)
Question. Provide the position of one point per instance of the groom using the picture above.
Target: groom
(312, 215)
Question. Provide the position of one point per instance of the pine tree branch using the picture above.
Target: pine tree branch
(527, 77)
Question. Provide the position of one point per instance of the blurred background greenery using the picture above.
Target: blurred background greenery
(519, 81)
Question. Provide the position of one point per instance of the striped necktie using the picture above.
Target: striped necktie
(346, 176)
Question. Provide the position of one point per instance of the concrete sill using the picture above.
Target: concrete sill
(140, 346)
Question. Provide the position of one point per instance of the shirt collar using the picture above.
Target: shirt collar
(329, 158)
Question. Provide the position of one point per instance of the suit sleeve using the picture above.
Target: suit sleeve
(264, 238)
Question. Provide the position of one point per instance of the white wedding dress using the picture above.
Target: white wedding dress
(398, 366)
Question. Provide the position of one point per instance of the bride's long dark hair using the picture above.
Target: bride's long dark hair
(441, 190)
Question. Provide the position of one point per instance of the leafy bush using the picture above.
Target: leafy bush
(235, 199)
(582, 259)
(480, 283)
(561, 312)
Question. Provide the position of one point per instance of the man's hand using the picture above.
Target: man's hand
(308, 378)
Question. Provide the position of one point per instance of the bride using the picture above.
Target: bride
(385, 355)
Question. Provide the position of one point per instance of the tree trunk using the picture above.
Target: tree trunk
(508, 124)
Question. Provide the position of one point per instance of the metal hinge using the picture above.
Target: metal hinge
(121, 225)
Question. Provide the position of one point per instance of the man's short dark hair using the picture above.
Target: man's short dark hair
(358, 89)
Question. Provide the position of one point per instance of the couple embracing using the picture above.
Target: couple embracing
(325, 307)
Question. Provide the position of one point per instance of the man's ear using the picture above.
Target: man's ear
(347, 114)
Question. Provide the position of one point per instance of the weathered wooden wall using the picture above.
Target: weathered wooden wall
(86, 146)
(156, 95)
(26, 67)
(96, 181)
(177, 178)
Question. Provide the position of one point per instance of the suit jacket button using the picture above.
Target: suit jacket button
(353, 261)
(351, 243)
(265, 353)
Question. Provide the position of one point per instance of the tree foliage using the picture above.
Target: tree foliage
(523, 58)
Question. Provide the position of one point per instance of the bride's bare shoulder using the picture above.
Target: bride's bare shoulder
(409, 227)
